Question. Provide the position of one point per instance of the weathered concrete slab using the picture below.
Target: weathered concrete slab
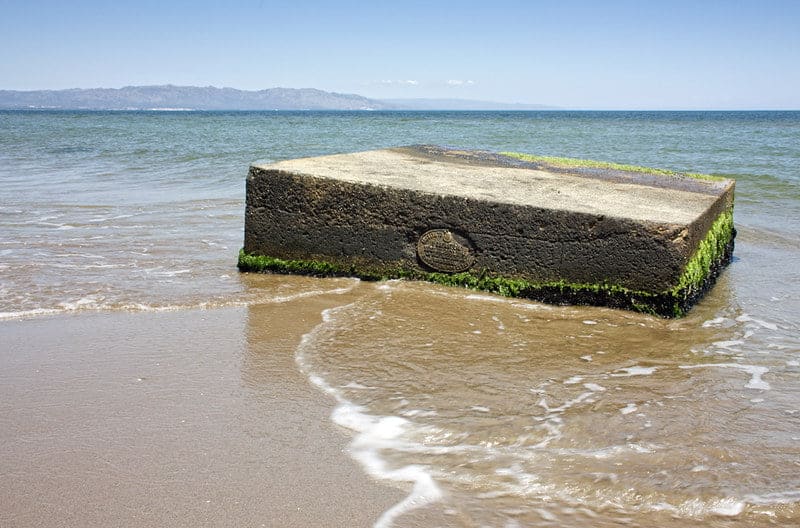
(550, 229)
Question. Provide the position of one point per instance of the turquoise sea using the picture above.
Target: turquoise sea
(562, 416)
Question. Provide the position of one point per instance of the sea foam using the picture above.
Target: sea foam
(755, 371)
(373, 433)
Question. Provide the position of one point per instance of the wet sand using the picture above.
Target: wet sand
(184, 418)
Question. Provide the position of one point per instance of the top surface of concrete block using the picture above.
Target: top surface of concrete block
(672, 199)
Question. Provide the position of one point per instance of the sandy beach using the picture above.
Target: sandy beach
(184, 418)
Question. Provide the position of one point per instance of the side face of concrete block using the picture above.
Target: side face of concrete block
(490, 222)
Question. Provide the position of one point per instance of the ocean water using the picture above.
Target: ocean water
(488, 411)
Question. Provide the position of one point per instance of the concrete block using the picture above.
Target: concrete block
(549, 229)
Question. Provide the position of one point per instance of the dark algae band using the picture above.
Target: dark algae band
(709, 260)
(556, 230)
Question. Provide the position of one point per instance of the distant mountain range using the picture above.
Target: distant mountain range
(169, 97)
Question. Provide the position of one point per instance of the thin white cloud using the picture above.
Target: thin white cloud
(459, 82)
(410, 82)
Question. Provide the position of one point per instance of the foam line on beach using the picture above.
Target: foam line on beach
(756, 372)
(373, 433)
(486, 298)
(698, 508)
(98, 303)
(635, 370)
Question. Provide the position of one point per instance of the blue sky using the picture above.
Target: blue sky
(604, 54)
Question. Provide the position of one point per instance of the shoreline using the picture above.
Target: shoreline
(186, 418)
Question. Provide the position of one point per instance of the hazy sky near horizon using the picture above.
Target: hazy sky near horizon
(611, 54)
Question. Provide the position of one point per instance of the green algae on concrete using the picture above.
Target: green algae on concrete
(572, 163)
(716, 247)
(549, 229)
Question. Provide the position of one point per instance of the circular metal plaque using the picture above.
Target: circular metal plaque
(442, 250)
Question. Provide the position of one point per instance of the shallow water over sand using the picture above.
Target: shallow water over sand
(118, 239)
(508, 412)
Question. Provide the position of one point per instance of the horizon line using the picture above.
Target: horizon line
(546, 107)
(368, 110)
